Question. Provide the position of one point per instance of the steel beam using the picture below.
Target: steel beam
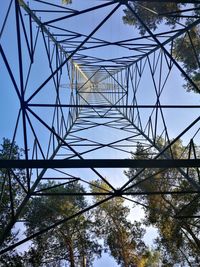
(101, 163)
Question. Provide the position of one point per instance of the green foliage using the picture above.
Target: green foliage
(72, 241)
(11, 260)
(184, 50)
(121, 237)
(66, 2)
(150, 12)
(178, 238)
(8, 183)
(11, 195)
(187, 50)
(152, 258)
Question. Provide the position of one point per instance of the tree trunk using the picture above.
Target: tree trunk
(71, 254)
(84, 261)
(69, 247)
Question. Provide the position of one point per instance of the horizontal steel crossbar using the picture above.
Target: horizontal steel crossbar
(111, 106)
(101, 163)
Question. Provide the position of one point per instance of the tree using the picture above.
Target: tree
(74, 241)
(179, 239)
(152, 258)
(151, 14)
(121, 237)
(187, 50)
(11, 193)
(66, 2)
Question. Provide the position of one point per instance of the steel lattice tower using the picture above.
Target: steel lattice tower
(78, 109)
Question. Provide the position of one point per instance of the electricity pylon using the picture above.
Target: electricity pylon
(74, 109)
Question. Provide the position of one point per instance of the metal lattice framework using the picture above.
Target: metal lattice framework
(80, 101)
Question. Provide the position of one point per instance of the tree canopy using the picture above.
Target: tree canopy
(122, 237)
(11, 193)
(179, 238)
(151, 13)
(186, 48)
(66, 2)
(74, 241)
